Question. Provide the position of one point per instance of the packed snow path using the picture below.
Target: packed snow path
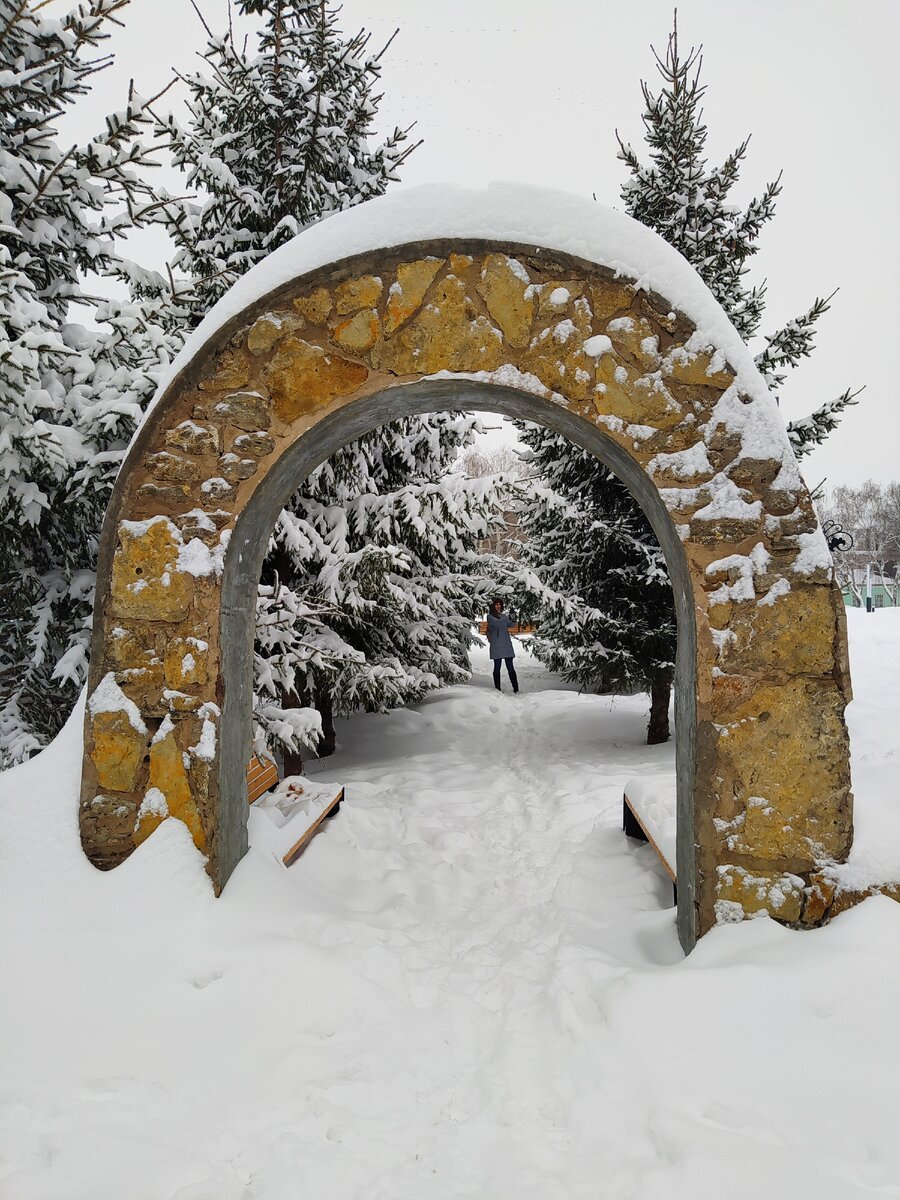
(469, 986)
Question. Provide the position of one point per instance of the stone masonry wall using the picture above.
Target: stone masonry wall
(772, 795)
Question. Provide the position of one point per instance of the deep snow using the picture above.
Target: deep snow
(470, 985)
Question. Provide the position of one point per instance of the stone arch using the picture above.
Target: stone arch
(764, 797)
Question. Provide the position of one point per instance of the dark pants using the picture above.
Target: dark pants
(510, 668)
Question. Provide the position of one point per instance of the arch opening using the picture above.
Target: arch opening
(243, 565)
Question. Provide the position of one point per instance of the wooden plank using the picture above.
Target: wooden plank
(648, 837)
(302, 842)
(260, 777)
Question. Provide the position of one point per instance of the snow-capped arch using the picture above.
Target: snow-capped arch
(517, 301)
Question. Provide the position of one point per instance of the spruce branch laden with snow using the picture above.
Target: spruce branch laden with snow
(70, 395)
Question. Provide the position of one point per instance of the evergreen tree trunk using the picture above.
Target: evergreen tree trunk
(293, 760)
(328, 740)
(658, 725)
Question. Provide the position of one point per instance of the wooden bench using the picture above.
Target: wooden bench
(513, 629)
(636, 824)
(283, 807)
(262, 774)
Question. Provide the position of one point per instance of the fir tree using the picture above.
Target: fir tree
(375, 544)
(69, 396)
(687, 202)
(278, 138)
(593, 573)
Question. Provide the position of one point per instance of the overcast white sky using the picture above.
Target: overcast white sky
(532, 91)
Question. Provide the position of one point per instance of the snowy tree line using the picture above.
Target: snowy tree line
(373, 579)
(384, 557)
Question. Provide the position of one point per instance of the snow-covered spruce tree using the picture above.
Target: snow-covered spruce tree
(688, 202)
(592, 572)
(278, 137)
(375, 543)
(384, 538)
(69, 396)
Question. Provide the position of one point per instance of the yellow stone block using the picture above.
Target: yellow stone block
(186, 662)
(506, 289)
(354, 294)
(145, 581)
(303, 377)
(795, 634)
(266, 331)
(316, 306)
(232, 370)
(406, 295)
(359, 333)
(117, 752)
(168, 776)
(556, 355)
(447, 334)
(740, 891)
(610, 299)
(635, 337)
(688, 368)
(785, 755)
(551, 302)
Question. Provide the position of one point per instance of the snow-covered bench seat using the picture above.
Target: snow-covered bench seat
(284, 820)
(649, 814)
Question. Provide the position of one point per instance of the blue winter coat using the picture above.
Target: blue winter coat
(499, 641)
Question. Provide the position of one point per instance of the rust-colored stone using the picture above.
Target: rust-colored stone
(117, 751)
(316, 306)
(406, 295)
(819, 898)
(447, 334)
(303, 377)
(168, 776)
(506, 289)
(146, 583)
(359, 333)
(354, 294)
(232, 370)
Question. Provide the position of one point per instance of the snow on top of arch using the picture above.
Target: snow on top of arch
(503, 212)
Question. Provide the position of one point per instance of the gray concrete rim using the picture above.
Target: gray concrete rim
(246, 552)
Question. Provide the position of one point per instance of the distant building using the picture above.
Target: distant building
(884, 588)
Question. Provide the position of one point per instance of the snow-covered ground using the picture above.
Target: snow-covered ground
(468, 986)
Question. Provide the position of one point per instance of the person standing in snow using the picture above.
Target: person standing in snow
(500, 643)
